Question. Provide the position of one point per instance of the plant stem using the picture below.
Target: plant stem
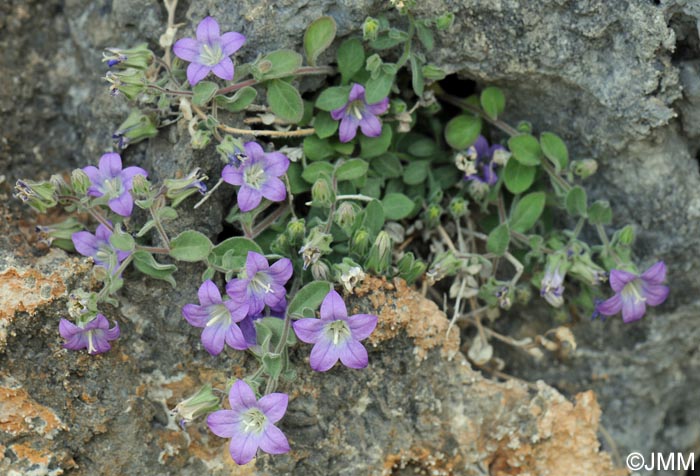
(159, 227)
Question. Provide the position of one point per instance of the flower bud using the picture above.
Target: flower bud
(410, 269)
(316, 245)
(431, 216)
(445, 21)
(359, 244)
(39, 195)
(586, 270)
(201, 403)
(296, 230)
(370, 29)
(179, 189)
(137, 127)
(585, 168)
(281, 245)
(523, 294)
(374, 65)
(444, 264)
(434, 73)
(505, 297)
(379, 257)
(397, 106)
(231, 151)
(320, 271)
(552, 284)
(130, 82)
(345, 215)
(625, 236)
(80, 182)
(138, 57)
(322, 193)
(478, 189)
(59, 234)
(141, 187)
(459, 207)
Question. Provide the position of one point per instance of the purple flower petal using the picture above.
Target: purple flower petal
(348, 128)
(235, 338)
(198, 316)
(186, 49)
(276, 164)
(254, 151)
(197, 72)
(655, 294)
(93, 174)
(370, 125)
(656, 274)
(85, 243)
(224, 69)
(232, 175)
(223, 423)
(482, 146)
(113, 333)
(231, 42)
(238, 310)
(274, 406)
(248, 198)
(357, 93)
(67, 329)
(100, 345)
(633, 308)
(378, 107)
(619, 278)
(333, 307)
(122, 205)
(362, 325)
(337, 114)
(208, 31)
(213, 338)
(237, 289)
(324, 355)
(308, 330)
(274, 441)
(241, 395)
(611, 306)
(208, 293)
(243, 449)
(129, 173)
(274, 190)
(248, 329)
(110, 165)
(76, 342)
(281, 270)
(255, 262)
(99, 322)
(102, 233)
(354, 355)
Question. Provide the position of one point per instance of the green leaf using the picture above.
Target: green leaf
(275, 326)
(281, 63)
(397, 206)
(333, 98)
(385, 41)
(325, 125)
(462, 131)
(309, 297)
(318, 36)
(525, 149)
(351, 170)
(425, 36)
(376, 89)
(314, 171)
(374, 217)
(190, 245)
(316, 148)
(576, 202)
(493, 102)
(498, 240)
(122, 241)
(387, 166)
(351, 58)
(416, 172)
(423, 147)
(235, 246)
(527, 211)
(272, 363)
(518, 177)
(555, 150)
(144, 262)
(600, 213)
(296, 183)
(239, 101)
(203, 92)
(376, 146)
(417, 80)
(285, 101)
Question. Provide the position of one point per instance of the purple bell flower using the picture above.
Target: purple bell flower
(111, 181)
(258, 175)
(336, 335)
(98, 247)
(219, 319)
(93, 335)
(261, 284)
(209, 52)
(482, 153)
(633, 293)
(357, 113)
(250, 423)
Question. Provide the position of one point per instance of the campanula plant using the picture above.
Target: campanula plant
(367, 175)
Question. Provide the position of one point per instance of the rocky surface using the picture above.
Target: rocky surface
(619, 80)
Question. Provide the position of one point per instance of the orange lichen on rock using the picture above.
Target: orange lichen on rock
(399, 307)
(21, 415)
(565, 442)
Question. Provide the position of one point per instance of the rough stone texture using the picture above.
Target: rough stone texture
(619, 80)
